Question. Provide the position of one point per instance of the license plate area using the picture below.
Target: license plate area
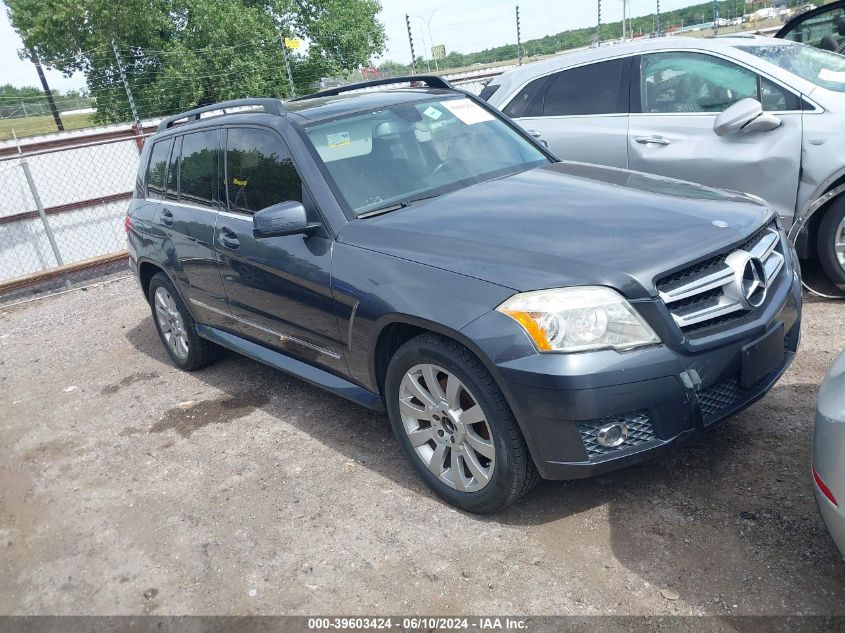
(762, 357)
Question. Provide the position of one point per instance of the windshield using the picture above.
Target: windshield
(405, 152)
(823, 68)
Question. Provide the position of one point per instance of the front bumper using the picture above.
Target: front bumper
(662, 393)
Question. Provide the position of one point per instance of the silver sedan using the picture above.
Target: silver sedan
(829, 451)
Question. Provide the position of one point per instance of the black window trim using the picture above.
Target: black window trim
(801, 97)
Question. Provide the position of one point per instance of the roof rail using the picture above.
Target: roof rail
(271, 106)
(432, 81)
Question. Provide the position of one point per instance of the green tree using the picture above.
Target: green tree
(181, 53)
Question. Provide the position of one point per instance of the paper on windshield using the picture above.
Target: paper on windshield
(825, 74)
(467, 111)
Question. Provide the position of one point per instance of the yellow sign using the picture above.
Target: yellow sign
(292, 43)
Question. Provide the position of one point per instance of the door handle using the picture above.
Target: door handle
(166, 217)
(652, 140)
(228, 238)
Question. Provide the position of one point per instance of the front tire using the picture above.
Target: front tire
(831, 242)
(455, 426)
(176, 327)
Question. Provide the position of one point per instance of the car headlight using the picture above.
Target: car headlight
(578, 319)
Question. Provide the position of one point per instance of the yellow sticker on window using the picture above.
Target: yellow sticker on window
(239, 183)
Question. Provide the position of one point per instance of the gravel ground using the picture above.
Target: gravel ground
(129, 487)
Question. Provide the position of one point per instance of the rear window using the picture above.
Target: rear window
(157, 169)
(198, 168)
(591, 89)
(488, 91)
(585, 90)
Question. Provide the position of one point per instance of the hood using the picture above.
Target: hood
(564, 224)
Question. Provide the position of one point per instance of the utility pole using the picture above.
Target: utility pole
(657, 24)
(518, 38)
(291, 85)
(598, 27)
(411, 42)
(715, 17)
(624, 17)
(47, 92)
(135, 117)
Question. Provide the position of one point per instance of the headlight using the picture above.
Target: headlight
(578, 318)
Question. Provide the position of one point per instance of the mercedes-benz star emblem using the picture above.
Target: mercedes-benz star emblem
(750, 284)
(754, 281)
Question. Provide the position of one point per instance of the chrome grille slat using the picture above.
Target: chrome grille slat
(679, 290)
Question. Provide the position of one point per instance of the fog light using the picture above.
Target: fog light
(612, 435)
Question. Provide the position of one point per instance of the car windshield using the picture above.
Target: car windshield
(823, 68)
(395, 155)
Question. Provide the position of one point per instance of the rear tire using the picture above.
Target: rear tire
(176, 327)
(466, 444)
(831, 242)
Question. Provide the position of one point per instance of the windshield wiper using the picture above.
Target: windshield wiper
(395, 207)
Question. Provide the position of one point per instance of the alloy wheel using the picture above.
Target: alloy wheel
(170, 323)
(839, 243)
(447, 427)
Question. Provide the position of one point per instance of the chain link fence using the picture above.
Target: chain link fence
(63, 201)
(62, 205)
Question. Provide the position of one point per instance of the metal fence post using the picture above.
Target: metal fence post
(34, 191)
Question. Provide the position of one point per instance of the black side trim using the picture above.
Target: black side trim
(323, 379)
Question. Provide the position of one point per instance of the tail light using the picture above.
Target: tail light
(127, 224)
(824, 489)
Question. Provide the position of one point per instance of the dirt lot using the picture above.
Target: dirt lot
(129, 487)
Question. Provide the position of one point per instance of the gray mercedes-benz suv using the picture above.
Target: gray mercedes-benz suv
(415, 251)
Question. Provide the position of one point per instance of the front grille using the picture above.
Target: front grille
(705, 293)
(640, 431)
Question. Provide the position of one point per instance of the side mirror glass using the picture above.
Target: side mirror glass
(284, 218)
(746, 115)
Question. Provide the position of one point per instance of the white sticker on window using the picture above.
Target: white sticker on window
(467, 111)
(338, 139)
(825, 74)
(432, 113)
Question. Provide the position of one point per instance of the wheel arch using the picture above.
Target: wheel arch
(395, 330)
(804, 232)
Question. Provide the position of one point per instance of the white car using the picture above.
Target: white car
(753, 114)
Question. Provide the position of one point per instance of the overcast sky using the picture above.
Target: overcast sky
(465, 26)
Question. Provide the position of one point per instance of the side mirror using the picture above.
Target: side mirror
(746, 115)
(285, 218)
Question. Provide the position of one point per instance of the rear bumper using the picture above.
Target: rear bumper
(663, 394)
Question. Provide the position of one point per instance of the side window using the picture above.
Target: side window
(519, 104)
(157, 169)
(172, 191)
(777, 99)
(198, 168)
(259, 170)
(693, 82)
(591, 89)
